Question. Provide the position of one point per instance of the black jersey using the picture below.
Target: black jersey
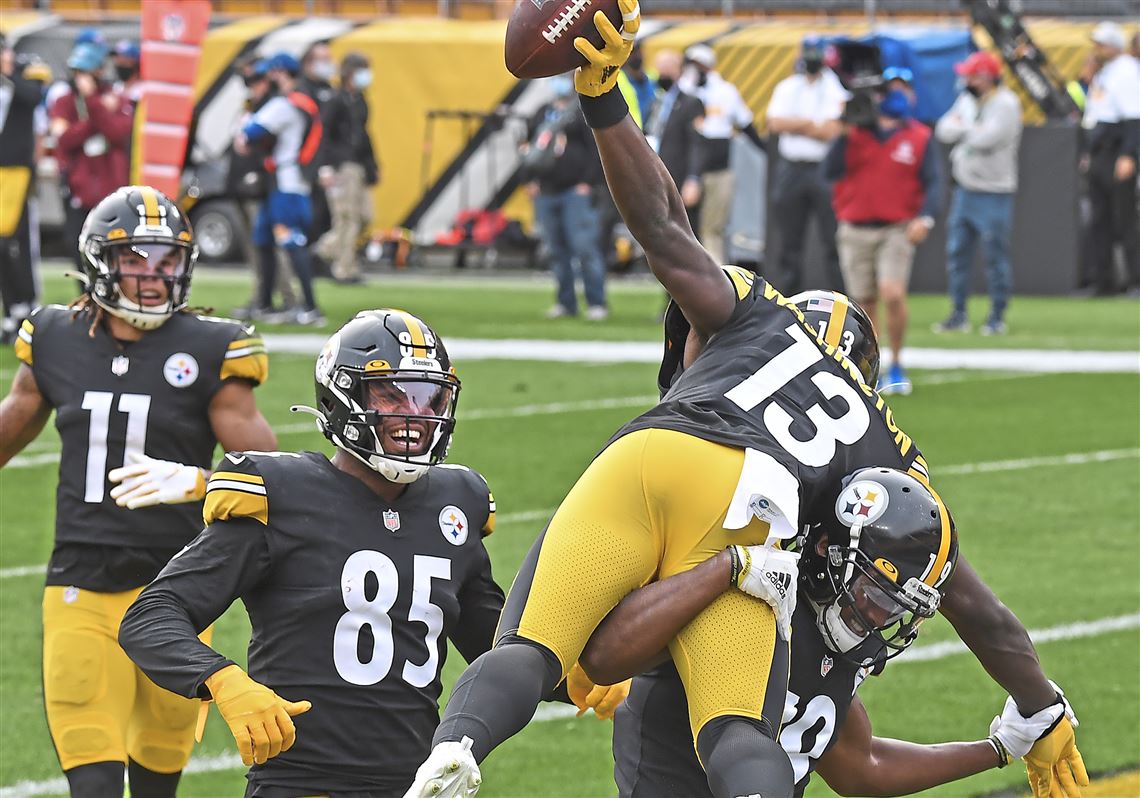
(111, 397)
(766, 381)
(653, 745)
(351, 599)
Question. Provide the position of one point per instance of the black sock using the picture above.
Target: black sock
(149, 784)
(267, 265)
(303, 267)
(497, 695)
(741, 758)
(97, 780)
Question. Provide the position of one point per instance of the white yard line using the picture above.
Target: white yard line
(548, 712)
(469, 349)
(965, 469)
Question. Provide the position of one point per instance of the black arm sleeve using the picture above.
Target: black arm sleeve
(754, 136)
(1130, 137)
(160, 630)
(480, 604)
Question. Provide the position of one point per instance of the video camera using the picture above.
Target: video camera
(860, 69)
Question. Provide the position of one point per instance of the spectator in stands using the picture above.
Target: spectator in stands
(289, 125)
(642, 84)
(804, 112)
(125, 59)
(22, 82)
(1111, 149)
(90, 35)
(348, 168)
(984, 127)
(672, 131)
(725, 113)
(92, 127)
(562, 162)
(887, 192)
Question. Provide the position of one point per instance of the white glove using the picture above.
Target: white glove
(1018, 733)
(146, 482)
(771, 575)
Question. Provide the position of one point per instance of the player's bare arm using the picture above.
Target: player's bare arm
(641, 187)
(237, 423)
(997, 638)
(23, 414)
(861, 764)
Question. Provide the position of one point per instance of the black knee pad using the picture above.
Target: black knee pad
(742, 759)
(97, 780)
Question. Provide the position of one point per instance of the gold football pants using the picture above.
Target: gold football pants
(651, 505)
(100, 706)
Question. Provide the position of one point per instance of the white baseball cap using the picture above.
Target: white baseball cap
(1109, 34)
(704, 55)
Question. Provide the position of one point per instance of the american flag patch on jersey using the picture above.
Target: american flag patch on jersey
(821, 304)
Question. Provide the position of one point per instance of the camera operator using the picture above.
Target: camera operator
(888, 186)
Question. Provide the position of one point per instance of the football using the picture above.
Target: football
(541, 33)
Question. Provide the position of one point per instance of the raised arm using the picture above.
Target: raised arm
(642, 189)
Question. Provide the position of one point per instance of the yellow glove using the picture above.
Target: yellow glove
(1055, 766)
(603, 699)
(260, 720)
(601, 74)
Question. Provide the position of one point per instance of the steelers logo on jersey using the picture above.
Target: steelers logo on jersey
(864, 501)
(453, 525)
(180, 370)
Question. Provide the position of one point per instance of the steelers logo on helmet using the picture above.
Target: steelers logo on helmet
(138, 256)
(864, 501)
(386, 393)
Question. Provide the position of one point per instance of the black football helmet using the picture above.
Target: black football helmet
(386, 393)
(873, 570)
(840, 322)
(134, 237)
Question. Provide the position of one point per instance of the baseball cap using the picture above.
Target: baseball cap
(86, 57)
(701, 54)
(1109, 34)
(125, 48)
(283, 61)
(979, 63)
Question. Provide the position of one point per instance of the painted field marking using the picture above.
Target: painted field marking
(548, 712)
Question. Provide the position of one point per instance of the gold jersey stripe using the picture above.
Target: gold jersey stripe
(834, 335)
(223, 504)
(742, 280)
(150, 205)
(251, 479)
(253, 367)
(238, 343)
(23, 343)
(944, 543)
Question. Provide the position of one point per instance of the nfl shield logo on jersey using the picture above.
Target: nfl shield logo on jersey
(119, 365)
(453, 525)
(391, 520)
(825, 665)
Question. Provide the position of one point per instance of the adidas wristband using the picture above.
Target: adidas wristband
(604, 111)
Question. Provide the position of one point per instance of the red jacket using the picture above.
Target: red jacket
(92, 177)
(881, 181)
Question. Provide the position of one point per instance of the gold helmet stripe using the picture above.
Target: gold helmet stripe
(415, 328)
(150, 205)
(943, 554)
(835, 323)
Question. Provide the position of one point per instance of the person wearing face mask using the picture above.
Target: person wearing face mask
(984, 127)
(348, 168)
(1111, 147)
(725, 113)
(804, 112)
(887, 190)
(672, 131)
(125, 59)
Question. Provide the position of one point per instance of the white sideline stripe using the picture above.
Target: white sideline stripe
(548, 712)
(1069, 631)
(965, 469)
(469, 349)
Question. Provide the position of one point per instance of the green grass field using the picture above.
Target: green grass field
(1060, 543)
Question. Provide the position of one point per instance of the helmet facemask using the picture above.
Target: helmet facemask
(869, 607)
(398, 423)
(143, 279)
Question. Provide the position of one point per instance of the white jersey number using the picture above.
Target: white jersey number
(829, 430)
(98, 403)
(373, 613)
(819, 709)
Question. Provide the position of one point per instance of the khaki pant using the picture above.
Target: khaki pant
(716, 204)
(350, 205)
(869, 256)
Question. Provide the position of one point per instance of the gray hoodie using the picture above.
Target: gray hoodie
(986, 134)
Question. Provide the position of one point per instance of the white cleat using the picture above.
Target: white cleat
(449, 772)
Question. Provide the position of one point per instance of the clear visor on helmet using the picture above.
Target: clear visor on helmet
(408, 413)
(150, 275)
(875, 606)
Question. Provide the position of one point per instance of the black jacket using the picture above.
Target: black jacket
(576, 162)
(346, 138)
(18, 137)
(680, 145)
